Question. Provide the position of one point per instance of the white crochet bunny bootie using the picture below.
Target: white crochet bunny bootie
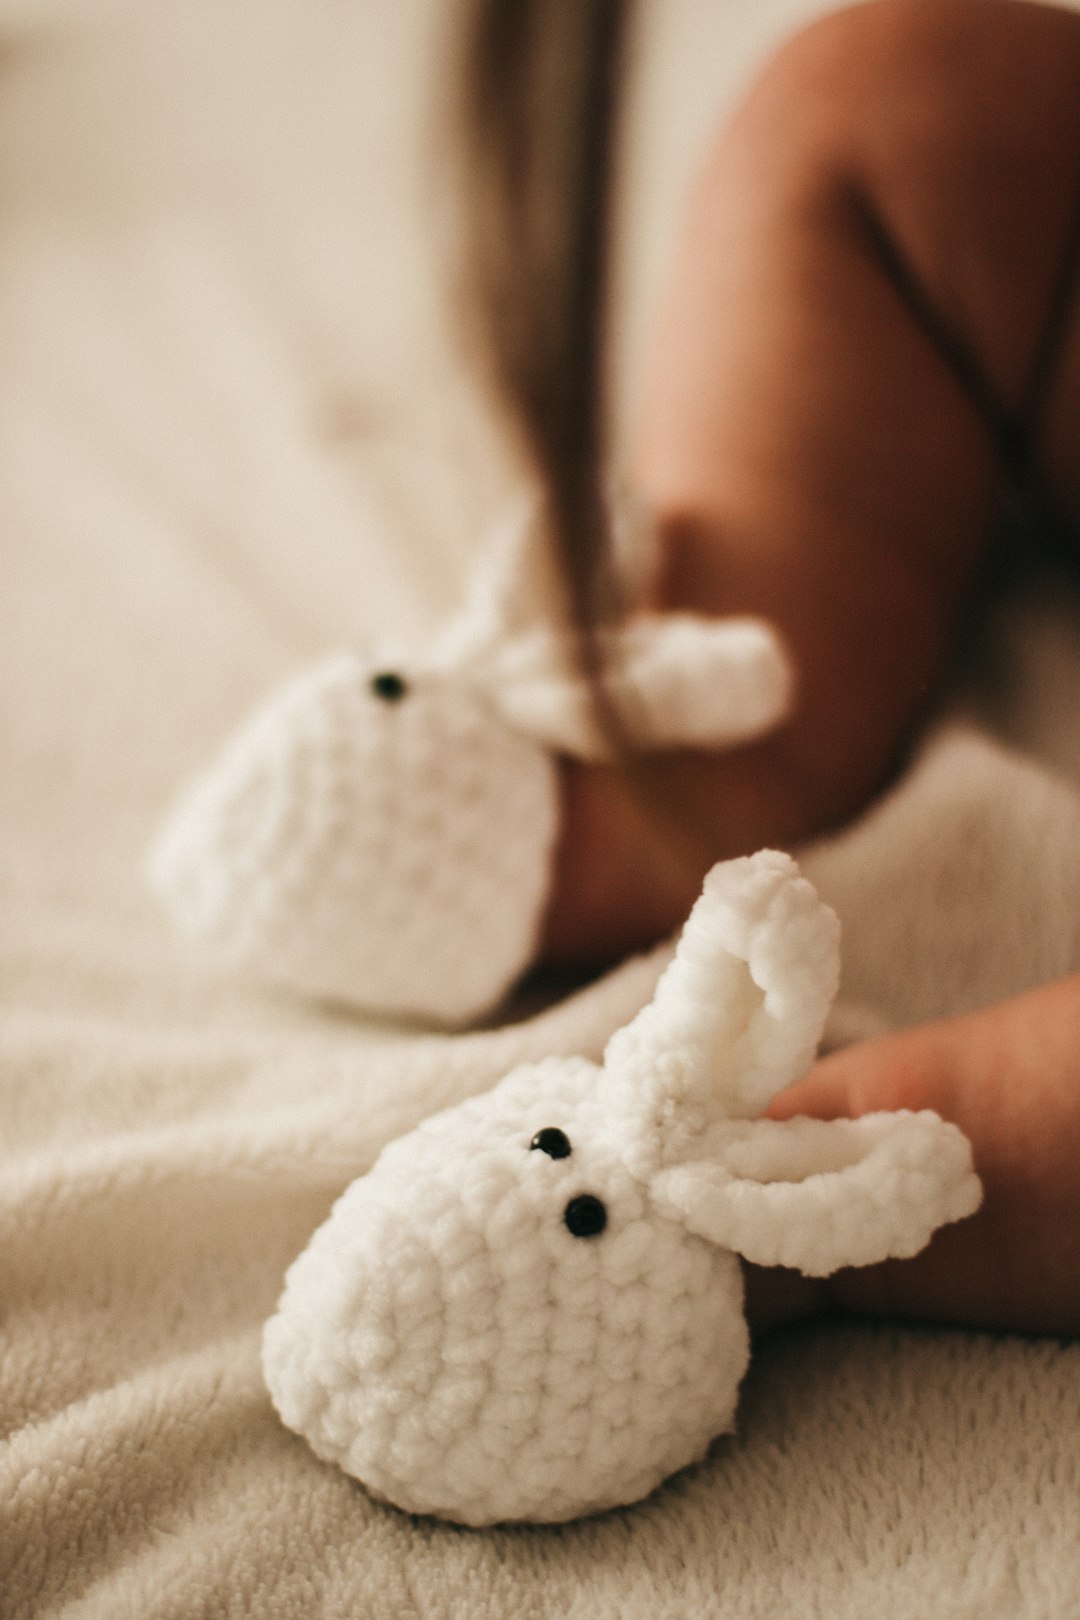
(382, 833)
(531, 1308)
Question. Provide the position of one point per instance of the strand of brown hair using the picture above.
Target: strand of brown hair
(541, 82)
(541, 91)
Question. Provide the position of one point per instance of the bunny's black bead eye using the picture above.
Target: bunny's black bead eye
(585, 1216)
(552, 1141)
(389, 686)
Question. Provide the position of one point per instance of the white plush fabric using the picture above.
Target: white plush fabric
(744, 1003)
(516, 1315)
(816, 1195)
(446, 1339)
(208, 268)
(392, 853)
(382, 833)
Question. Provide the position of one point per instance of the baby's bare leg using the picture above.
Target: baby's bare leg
(809, 452)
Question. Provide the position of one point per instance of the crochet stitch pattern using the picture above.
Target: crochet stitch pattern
(381, 834)
(531, 1308)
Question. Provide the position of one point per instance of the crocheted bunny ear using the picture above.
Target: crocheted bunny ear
(514, 587)
(517, 586)
(737, 1014)
(816, 1195)
(675, 680)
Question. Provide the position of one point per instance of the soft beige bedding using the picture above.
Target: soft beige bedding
(231, 435)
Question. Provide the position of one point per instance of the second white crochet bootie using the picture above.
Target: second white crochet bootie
(381, 834)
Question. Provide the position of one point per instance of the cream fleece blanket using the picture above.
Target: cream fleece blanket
(193, 500)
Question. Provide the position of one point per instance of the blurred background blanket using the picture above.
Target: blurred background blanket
(234, 432)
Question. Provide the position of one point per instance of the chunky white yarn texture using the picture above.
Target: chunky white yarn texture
(389, 852)
(531, 1308)
(381, 833)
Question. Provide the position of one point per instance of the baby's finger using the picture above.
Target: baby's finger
(908, 1069)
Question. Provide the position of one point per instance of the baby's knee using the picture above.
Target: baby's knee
(892, 80)
(928, 64)
(954, 122)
